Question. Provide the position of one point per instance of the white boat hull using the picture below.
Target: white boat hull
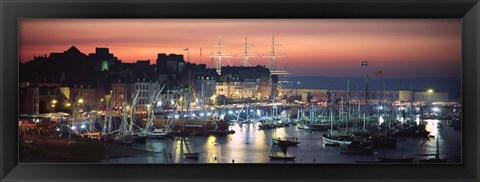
(330, 141)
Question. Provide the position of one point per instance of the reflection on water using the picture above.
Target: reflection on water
(250, 145)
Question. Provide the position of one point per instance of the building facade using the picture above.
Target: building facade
(29, 100)
(121, 92)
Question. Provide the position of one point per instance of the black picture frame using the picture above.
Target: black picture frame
(12, 11)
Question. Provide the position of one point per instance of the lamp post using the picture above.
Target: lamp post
(80, 102)
(429, 95)
(54, 102)
(100, 104)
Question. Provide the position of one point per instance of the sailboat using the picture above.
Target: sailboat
(119, 136)
(336, 139)
(288, 141)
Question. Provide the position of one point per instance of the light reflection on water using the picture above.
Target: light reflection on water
(250, 145)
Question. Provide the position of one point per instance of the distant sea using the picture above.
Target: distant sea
(442, 84)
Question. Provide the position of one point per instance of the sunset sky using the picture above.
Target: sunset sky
(401, 48)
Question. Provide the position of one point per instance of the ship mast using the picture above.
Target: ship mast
(219, 55)
(245, 55)
(273, 67)
(365, 64)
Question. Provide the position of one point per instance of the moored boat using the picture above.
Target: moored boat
(289, 141)
(341, 140)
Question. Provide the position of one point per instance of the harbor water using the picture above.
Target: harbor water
(250, 145)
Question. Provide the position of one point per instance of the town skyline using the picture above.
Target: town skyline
(435, 51)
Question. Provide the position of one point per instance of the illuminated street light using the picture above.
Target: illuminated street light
(230, 112)
(73, 127)
(54, 102)
(83, 126)
(68, 104)
(80, 101)
(430, 92)
(101, 100)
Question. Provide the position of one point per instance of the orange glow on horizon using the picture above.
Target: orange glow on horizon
(330, 47)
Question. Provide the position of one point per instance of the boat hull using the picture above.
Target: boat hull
(330, 141)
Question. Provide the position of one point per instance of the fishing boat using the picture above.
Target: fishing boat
(289, 141)
(334, 138)
(158, 133)
(268, 123)
(119, 136)
(340, 140)
(312, 122)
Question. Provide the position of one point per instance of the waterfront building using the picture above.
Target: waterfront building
(28, 100)
(142, 87)
(222, 88)
(241, 82)
(427, 96)
(83, 97)
(47, 95)
(170, 67)
(204, 87)
(374, 96)
(122, 91)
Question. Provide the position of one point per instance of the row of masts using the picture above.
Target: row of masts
(220, 56)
